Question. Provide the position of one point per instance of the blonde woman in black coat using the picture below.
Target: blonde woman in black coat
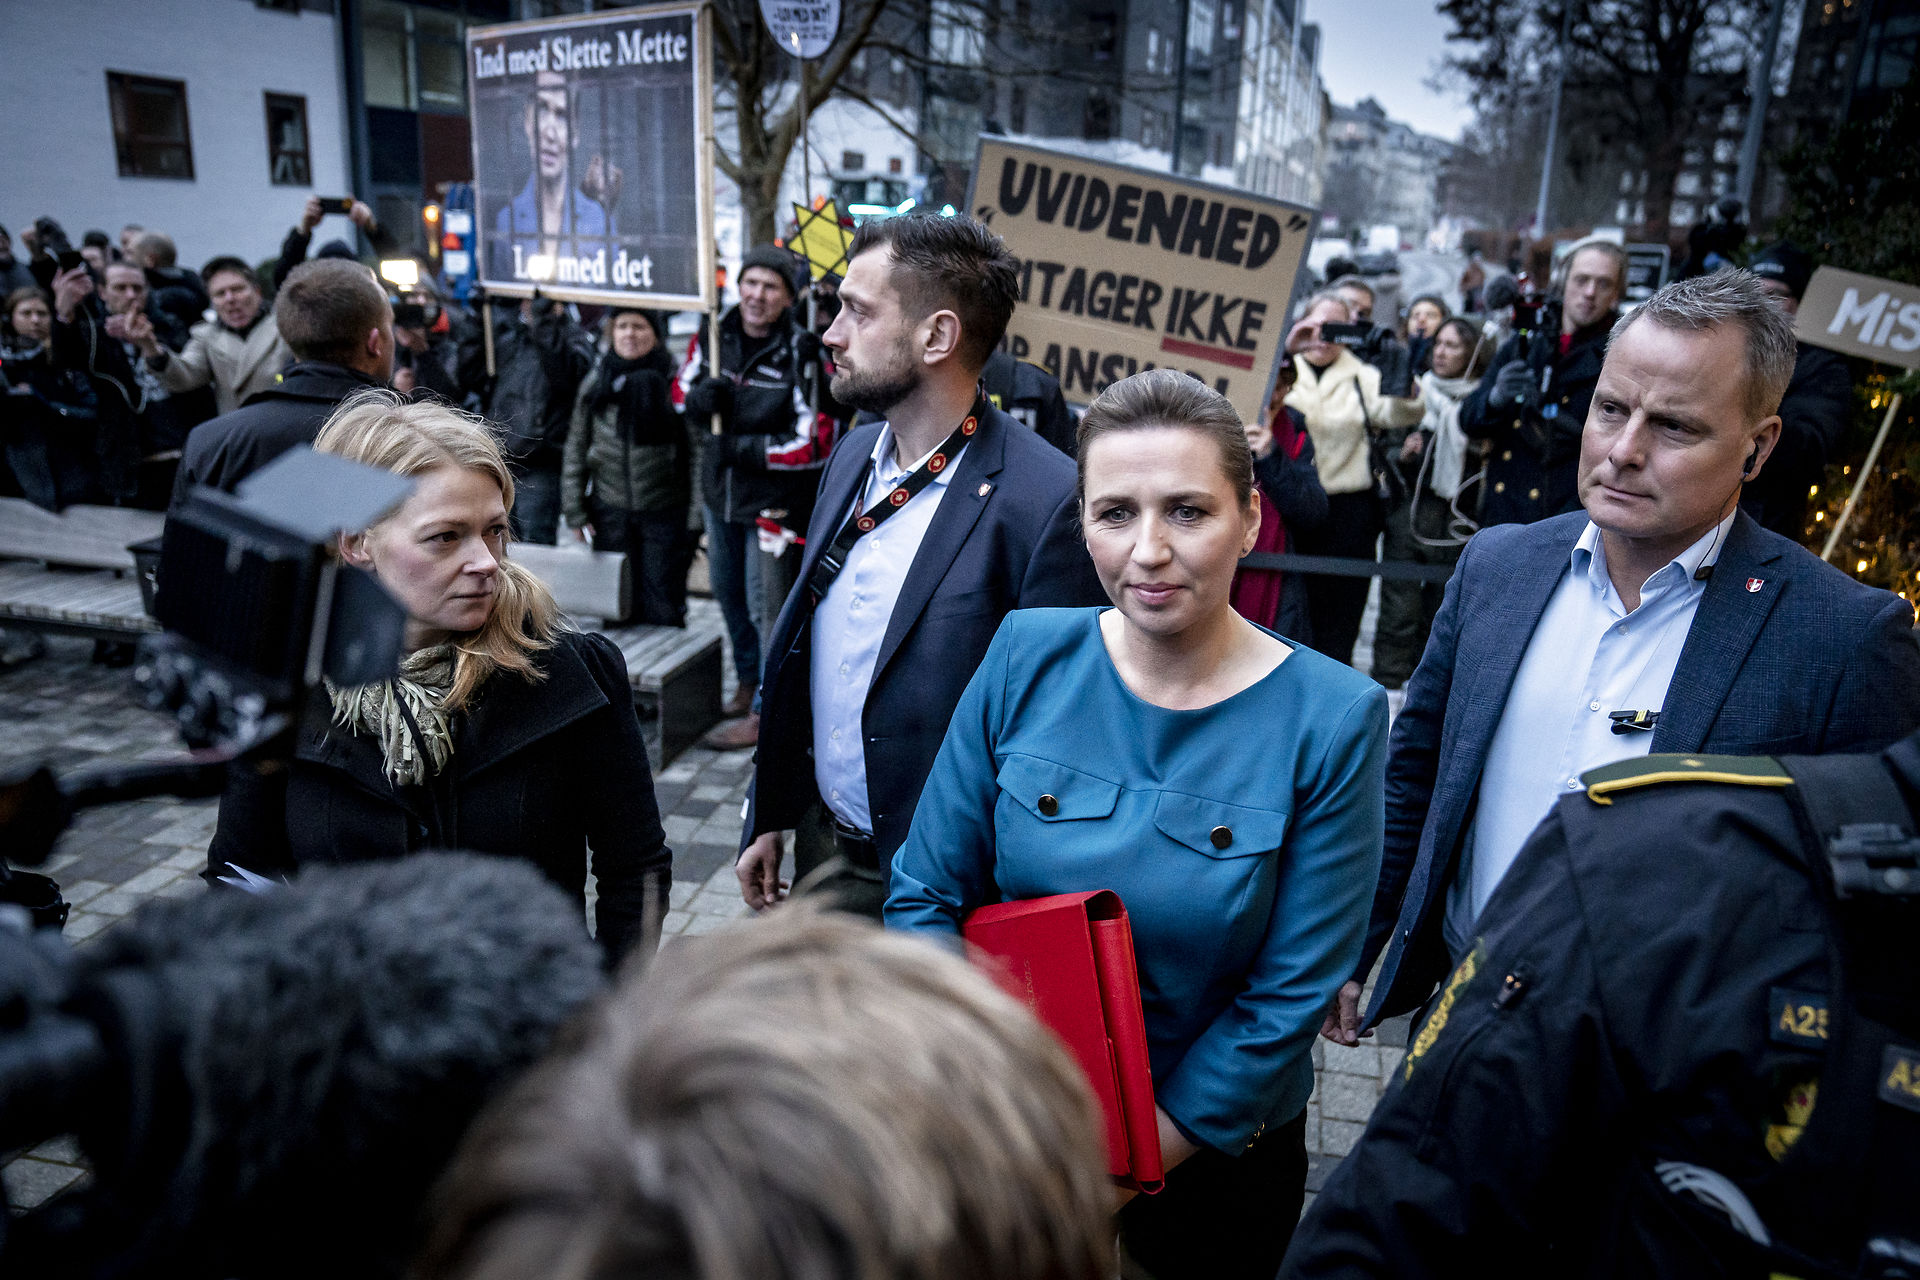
(504, 732)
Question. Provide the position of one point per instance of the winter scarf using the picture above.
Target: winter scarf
(1443, 397)
(420, 691)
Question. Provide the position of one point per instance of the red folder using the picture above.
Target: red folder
(1069, 958)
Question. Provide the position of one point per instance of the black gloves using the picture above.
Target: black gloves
(1515, 388)
(710, 395)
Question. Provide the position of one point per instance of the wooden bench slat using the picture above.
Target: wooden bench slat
(83, 536)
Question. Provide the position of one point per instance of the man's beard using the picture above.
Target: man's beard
(876, 392)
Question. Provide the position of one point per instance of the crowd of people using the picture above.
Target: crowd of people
(983, 659)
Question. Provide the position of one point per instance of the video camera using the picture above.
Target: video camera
(256, 612)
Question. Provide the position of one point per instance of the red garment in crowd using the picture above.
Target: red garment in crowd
(1256, 592)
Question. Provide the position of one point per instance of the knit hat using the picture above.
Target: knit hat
(1787, 263)
(655, 320)
(337, 249)
(775, 259)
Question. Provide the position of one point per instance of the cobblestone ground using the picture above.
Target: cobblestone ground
(65, 710)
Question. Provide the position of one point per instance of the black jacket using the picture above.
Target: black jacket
(1031, 396)
(538, 368)
(539, 771)
(771, 444)
(1006, 536)
(1813, 417)
(234, 445)
(51, 434)
(1622, 1005)
(178, 292)
(1533, 459)
(141, 423)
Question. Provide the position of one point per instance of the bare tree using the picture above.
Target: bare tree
(1649, 78)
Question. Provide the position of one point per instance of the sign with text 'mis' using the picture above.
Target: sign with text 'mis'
(1861, 316)
(1124, 269)
(592, 180)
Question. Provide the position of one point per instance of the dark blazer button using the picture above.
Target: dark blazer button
(1049, 806)
(1222, 837)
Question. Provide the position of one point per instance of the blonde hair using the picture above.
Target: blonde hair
(380, 429)
(804, 1096)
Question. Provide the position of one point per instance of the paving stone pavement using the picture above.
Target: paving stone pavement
(67, 711)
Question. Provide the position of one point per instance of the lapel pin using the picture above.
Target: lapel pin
(986, 489)
(1754, 584)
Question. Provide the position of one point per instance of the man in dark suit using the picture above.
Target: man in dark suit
(1661, 618)
(929, 528)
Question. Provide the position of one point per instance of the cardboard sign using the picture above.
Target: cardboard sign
(1861, 316)
(593, 178)
(1124, 269)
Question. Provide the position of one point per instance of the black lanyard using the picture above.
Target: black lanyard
(861, 523)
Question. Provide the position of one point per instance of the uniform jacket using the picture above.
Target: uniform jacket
(624, 474)
(1807, 662)
(238, 365)
(539, 771)
(1533, 461)
(1344, 408)
(1245, 873)
(1006, 536)
(774, 430)
(233, 446)
(1655, 940)
(1031, 396)
(1813, 417)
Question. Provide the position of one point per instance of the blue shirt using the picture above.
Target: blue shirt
(1240, 948)
(850, 623)
(1588, 656)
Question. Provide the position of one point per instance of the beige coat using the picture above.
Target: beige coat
(236, 366)
(1332, 405)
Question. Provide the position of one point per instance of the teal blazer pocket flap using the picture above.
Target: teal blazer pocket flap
(1054, 792)
(1219, 829)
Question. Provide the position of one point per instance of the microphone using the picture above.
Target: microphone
(1501, 291)
(270, 1084)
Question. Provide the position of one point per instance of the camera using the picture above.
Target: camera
(1533, 311)
(409, 315)
(256, 611)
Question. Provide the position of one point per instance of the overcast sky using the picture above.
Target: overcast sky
(1387, 49)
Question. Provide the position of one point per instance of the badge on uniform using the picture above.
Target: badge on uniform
(1754, 584)
(1797, 1018)
(985, 489)
(1900, 1077)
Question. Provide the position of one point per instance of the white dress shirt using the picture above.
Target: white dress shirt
(851, 621)
(1588, 656)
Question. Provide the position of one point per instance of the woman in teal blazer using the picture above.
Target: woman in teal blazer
(1226, 784)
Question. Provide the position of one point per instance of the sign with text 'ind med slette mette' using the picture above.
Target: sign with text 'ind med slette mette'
(592, 180)
(1124, 269)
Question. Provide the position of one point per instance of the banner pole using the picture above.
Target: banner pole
(1866, 469)
(486, 327)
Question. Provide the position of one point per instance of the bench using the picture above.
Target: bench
(676, 671)
(71, 571)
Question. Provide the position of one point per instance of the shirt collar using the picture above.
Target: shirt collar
(887, 468)
(1590, 554)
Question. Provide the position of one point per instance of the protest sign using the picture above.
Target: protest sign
(1124, 269)
(593, 176)
(1861, 316)
(804, 28)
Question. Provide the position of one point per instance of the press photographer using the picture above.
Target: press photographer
(1375, 344)
(1532, 404)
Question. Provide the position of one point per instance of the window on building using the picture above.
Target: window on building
(1017, 109)
(853, 159)
(412, 58)
(1103, 36)
(150, 135)
(955, 35)
(1098, 123)
(289, 162)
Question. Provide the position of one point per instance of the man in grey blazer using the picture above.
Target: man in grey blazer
(1662, 618)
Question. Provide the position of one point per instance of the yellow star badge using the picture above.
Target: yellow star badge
(821, 240)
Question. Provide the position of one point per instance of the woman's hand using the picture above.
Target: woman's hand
(1260, 437)
(1174, 1147)
(1342, 1025)
(1303, 335)
(583, 534)
(1411, 448)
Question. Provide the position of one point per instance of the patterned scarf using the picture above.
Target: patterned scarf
(421, 686)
